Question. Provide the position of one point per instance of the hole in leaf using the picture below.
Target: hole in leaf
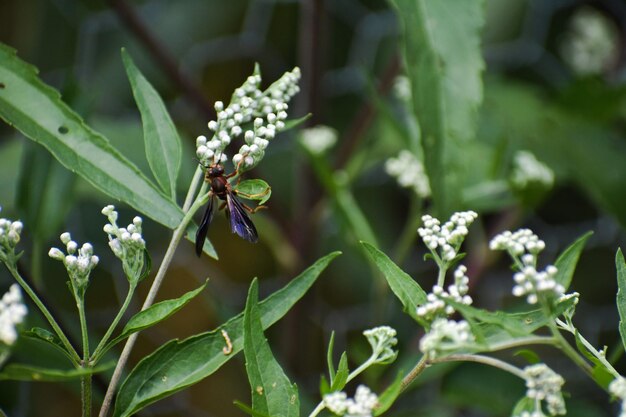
(2, 86)
(63, 130)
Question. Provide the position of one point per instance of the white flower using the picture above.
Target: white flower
(363, 404)
(436, 305)
(402, 87)
(382, 340)
(126, 243)
(12, 312)
(409, 172)
(446, 336)
(10, 232)
(318, 139)
(591, 44)
(446, 238)
(79, 262)
(544, 385)
(617, 387)
(523, 240)
(527, 169)
(267, 108)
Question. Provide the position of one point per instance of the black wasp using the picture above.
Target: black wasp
(240, 223)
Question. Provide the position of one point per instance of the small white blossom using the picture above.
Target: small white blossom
(12, 313)
(126, 243)
(523, 240)
(10, 232)
(267, 109)
(531, 283)
(382, 340)
(449, 237)
(363, 404)
(409, 172)
(446, 336)
(591, 44)
(544, 385)
(79, 262)
(528, 170)
(617, 387)
(318, 139)
(402, 87)
(436, 301)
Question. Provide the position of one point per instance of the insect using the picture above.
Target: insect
(240, 223)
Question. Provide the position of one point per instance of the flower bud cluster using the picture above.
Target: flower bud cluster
(318, 139)
(79, 262)
(528, 170)
(382, 340)
(12, 312)
(449, 237)
(268, 109)
(127, 243)
(516, 244)
(409, 173)
(446, 336)
(9, 237)
(591, 44)
(544, 385)
(436, 301)
(617, 387)
(363, 404)
(531, 283)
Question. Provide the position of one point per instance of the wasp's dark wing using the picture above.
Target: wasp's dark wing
(203, 229)
(240, 223)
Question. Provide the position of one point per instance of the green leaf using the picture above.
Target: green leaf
(293, 123)
(21, 372)
(153, 315)
(272, 392)
(180, 364)
(41, 181)
(246, 409)
(37, 111)
(500, 326)
(329, 357)
(403, 286)
(620, 265)
(43, 335)
(566, 262)
(525, 404)
(341, 377)
(601, 375)
(163, 147)
(387, 398)
(254, 190)
(444, 63)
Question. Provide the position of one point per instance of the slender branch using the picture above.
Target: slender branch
(86, 379)
(523, 341)
(415, 372)
(487, 360)
(96, 354)
(590, 348)
(57, 329)
(156, 284)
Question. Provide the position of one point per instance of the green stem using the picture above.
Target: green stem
(487, 360)
(523, 341)
(98, 352)
(590, 348)
(415, 372)
(85, 380)
(178, 234)
(570, 351)
(28, 290)
(441, 277)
